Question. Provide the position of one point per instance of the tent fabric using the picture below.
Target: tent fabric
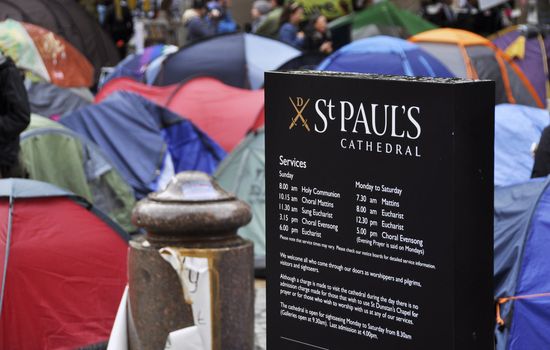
(243, 173)
(483, 60)
(49, 100)
(66, 66)
(382, 18)
(70, 20)
(384, 55)
(521, 264)
(224, 112)
(157, 94)
(135, 65)
(526, 47)
(54, 154)
(62, 268)
(236, 59)
(136, 134)
(517, 129)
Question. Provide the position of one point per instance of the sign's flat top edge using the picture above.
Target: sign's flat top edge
(385, 77)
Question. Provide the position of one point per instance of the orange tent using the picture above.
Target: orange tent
(66, 66)
(471, 56)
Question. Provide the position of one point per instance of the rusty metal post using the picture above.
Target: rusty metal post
(198, 219)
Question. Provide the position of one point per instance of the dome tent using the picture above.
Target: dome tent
(471, 56)
(146, 142)
(243, 173)
(56, 155)
(62, 268)
(521, 265)
(385, 55)
(236, 59)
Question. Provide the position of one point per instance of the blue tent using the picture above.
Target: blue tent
(517, 130)
(134, 65)
(521, 266)
(146, 142)
(385, 55)
(237, 59)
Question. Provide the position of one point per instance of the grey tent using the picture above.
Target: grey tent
(47, 99)
(54, 154)
(243, 173)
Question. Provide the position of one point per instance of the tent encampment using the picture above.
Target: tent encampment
(46, 55)
(385, 55)
(146, 142)
(525, 45)
(237, 59)
(470, 56)
(517, 131)
(224, 112)
(135, 65)
(62, 268)
(243, 173)
(49, 100)
(521, 265)
(382, 18)
(70, 20)
(54, 154)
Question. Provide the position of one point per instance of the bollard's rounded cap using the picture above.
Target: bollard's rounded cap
(193, 206)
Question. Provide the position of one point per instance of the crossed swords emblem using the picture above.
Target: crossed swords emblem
(299, 107)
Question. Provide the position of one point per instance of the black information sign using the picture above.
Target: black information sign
(379, 212)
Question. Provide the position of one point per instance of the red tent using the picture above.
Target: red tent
(157, 94)
(224, 112)
(62, 268)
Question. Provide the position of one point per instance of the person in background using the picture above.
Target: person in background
(15, 116)
(289, 33)
(270, 25)
(318, 36)
(259, 11)
(198, 26)
(439, 13)
(119, 24)
(220, 15)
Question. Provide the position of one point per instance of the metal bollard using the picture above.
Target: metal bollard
(196, 218)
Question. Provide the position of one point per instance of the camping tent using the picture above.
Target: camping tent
(521, 265)
(48, 56)
(62, 268)
(70, 20)
(237, 59)
(157, 94)
(471, 56)
(517, 130)
(134, 65)
(224, 112)
(56, 155)
(382, 18)
(385, 55)
(49, 100)
(243, 173)
(146, 142)
(525, 45)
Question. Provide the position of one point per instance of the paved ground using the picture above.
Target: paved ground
(259, 326)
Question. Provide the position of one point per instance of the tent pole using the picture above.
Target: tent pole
(7, 252)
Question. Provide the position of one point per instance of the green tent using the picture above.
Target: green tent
(243, 173)
(383, 18)
(54, 154)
